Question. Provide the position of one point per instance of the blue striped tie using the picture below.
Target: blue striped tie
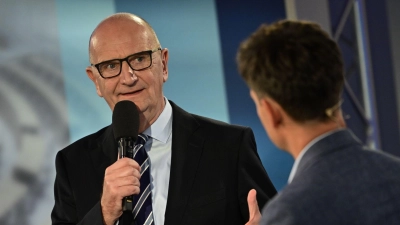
(143, 211)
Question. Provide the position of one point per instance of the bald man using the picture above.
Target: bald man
(201, 169)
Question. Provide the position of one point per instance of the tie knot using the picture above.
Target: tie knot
(142, 139)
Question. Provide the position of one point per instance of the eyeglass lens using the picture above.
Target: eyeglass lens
(137, 61)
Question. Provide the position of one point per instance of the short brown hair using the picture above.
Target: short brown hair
(295, 63)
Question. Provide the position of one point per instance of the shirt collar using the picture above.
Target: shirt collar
(305, 149)
(161, 129)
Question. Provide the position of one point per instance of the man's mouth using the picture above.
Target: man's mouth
(132, 93)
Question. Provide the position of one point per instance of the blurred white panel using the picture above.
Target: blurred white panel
(87, 111)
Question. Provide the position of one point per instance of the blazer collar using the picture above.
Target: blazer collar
(109, 145)
(103, 151)
(333, 142)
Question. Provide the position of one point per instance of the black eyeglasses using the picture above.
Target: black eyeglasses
(138, 61)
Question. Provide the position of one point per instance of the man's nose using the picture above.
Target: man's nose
(127, 73)
(125, 67)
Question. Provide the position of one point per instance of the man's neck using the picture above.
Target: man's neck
(299, 135)
(146, 122)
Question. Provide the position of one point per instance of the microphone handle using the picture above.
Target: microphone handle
(125, 149)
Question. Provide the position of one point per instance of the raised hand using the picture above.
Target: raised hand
(254, 211)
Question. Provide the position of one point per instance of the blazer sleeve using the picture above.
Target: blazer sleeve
(65, 209)
(280, 215)
(252, 175)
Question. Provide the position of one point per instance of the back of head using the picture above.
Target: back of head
(295, 63)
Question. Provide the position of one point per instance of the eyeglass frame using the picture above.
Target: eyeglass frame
(97, 65)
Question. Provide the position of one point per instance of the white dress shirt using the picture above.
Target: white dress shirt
(158, 147)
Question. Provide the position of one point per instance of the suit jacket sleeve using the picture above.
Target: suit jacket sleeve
(280, 214)
(65, 208)
(252, 175)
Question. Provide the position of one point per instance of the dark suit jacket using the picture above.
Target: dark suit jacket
(338, 181)
(213, 166)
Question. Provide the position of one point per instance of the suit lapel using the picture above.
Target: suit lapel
(108, 146)
(187, 148)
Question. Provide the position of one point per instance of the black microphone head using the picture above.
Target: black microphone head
(125, 120)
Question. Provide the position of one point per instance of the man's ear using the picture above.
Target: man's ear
(164, 59)
(92, 76)
(273, 109)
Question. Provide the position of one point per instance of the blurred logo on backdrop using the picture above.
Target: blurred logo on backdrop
(33, 114)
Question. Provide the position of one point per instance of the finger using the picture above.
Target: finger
(252, 201)
(120, 164)
(126, 162)
(122, 177)
(127, 181)
(123, 172)
(121, 187)
(254, 211)
(127, 191)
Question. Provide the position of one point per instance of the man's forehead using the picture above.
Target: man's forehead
(119, 37)
(118, 46)
(122, 31)
(112, 40)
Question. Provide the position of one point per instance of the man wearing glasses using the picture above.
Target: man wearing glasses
(201, 169)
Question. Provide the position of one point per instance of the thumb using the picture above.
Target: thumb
(254, 212)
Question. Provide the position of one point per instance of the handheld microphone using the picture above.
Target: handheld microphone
(125, 122)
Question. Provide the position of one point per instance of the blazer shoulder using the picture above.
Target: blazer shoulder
(206, 123)
(287, 207)
(88, 142)
(217, 123)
